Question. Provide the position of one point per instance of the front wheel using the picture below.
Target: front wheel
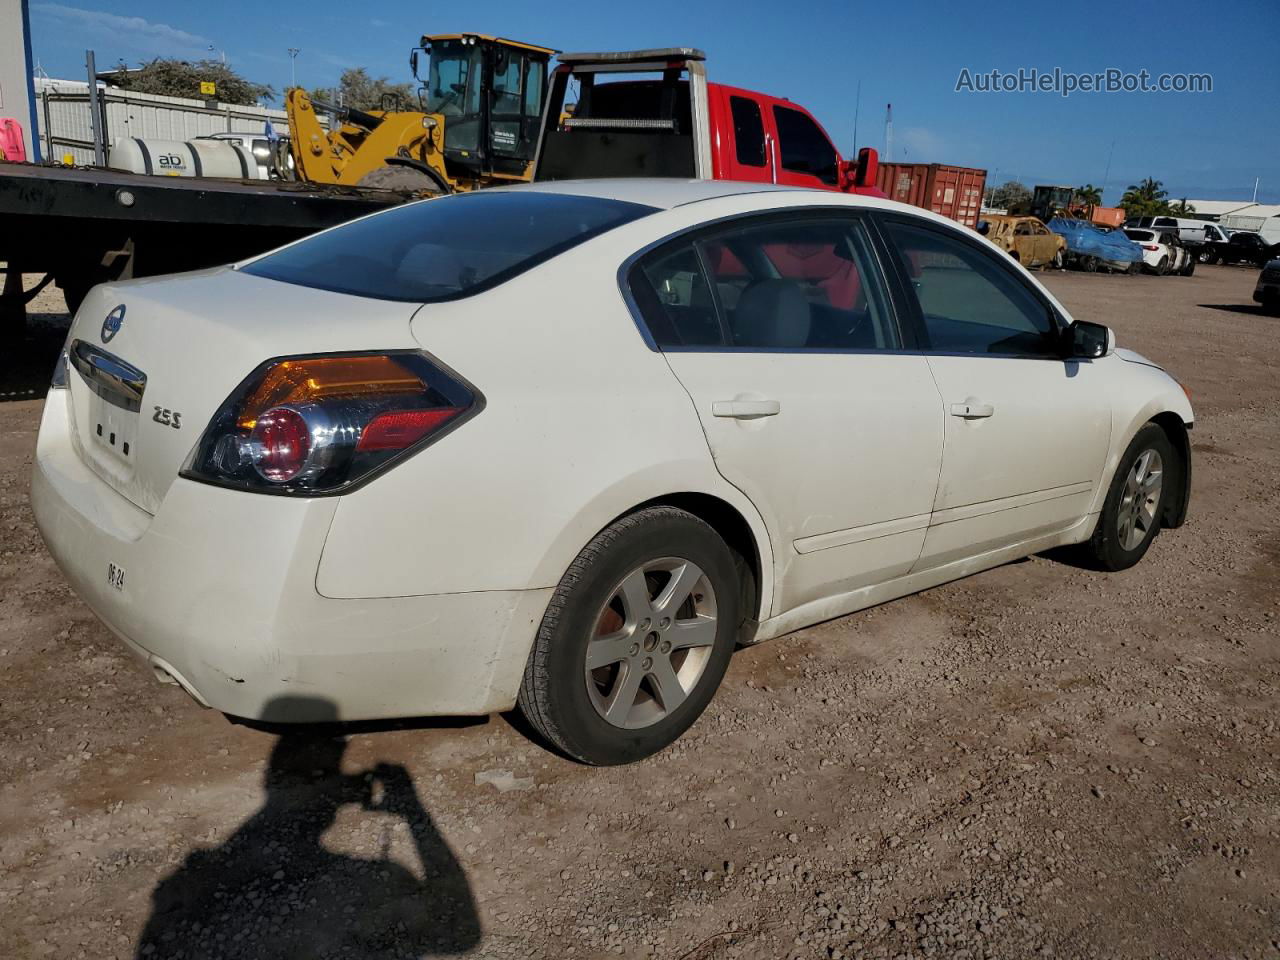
(1190, 268)
(1131, 514)
(1162, 267)
(1058, 261)
(635, 639)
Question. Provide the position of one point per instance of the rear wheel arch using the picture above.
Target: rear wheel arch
(736, 531)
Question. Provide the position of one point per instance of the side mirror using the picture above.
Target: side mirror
(868, 167)
(413, 63)
(1089, 341)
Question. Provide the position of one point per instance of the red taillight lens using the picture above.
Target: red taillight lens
(402, 428)
(282, 441)
(1150, 246)
(314, 425)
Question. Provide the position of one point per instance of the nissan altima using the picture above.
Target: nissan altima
(564, 446)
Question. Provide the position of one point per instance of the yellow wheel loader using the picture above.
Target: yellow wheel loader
(481, 114)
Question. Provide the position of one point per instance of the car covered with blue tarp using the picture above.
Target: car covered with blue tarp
(1090, 247)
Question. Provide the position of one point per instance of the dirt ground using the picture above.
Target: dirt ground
(1038, 760)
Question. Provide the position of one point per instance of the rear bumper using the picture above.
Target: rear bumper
(219, 594)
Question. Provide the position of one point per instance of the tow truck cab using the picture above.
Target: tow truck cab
(652, 113)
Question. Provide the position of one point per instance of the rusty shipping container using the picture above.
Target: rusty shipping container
(954, 192)
(1107, 216)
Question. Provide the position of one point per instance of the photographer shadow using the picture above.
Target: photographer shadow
(273, 890)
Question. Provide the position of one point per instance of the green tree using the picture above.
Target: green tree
(356, 89)
(1009, 195)
(1181, 208)
(1089, 195)
(1145, 199)
(182, 78)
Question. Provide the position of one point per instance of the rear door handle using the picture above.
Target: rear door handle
(972, 410)
(745, 409)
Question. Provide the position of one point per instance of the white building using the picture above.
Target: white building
(1217, 209)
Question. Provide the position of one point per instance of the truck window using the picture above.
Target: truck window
(748, 131)
(804, 147)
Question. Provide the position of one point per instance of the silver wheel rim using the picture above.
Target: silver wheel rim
(652, 641)
(1140, 499)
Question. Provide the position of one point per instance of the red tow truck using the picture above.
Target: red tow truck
(652, 113)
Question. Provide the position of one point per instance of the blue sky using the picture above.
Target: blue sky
(1207, 145)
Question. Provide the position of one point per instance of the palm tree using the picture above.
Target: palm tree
(1145, 199)
(1181, 208)
(1089, 195)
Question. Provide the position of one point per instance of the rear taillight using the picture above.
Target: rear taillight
(1150, 246)
(322, 424)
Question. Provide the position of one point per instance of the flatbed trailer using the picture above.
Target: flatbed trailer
(79, 226)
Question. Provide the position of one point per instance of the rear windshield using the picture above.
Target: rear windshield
(1139, 235)
(445, 248)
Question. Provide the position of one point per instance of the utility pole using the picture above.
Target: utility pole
(293, 66)
(95, 111)
(888, 132)
(1107, 174)
(1255, 188)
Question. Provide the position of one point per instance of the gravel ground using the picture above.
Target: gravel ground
(1037, 760)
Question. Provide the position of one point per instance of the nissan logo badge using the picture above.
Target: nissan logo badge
(111, 326)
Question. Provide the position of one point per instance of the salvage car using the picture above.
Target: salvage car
(1163, 253)
(1027, 240)
(1267, 292)
(565, 445)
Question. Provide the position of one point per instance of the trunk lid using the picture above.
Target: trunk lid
(152, 360)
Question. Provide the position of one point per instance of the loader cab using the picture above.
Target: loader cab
(489, 93)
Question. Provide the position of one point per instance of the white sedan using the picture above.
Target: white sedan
(566, 445)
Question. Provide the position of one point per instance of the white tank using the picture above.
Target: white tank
(191, 158)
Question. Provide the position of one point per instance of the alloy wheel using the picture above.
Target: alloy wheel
(1140, 499)
(653, 639)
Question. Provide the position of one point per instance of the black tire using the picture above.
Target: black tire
(1162, 268)
(1134, 268)
(1089, 264)
(1058, 261)
(554, 695)
(1190, 268)
(1104, 550)
(401, 179)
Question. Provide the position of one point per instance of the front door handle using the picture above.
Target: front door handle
(972, 410)
(745, 409)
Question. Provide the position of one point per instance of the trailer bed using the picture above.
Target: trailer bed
(85, 225)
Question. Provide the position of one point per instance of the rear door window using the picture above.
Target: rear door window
(446, 248)
(748, 131)
(777, 285)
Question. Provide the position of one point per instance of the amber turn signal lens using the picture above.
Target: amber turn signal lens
(314, 379)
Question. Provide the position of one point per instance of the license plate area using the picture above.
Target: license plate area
(110, 429)
(113, 429)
